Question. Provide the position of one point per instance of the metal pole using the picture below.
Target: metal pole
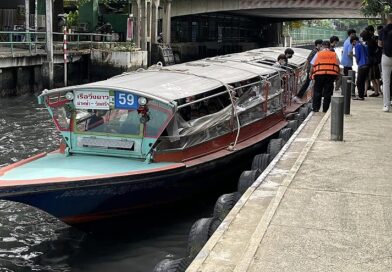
(351, 74)
(65, 56)
(49, 40)
(337, 120)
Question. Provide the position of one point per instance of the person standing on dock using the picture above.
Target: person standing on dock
(325, 69)
(305, 86)
(362, 58)
(347, 53)
(385, 41)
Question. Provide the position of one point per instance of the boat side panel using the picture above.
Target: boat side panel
(82, 201)
(223, 142)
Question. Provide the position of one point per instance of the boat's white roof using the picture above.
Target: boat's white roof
(226, 71)
(164, 84)
(193, 78)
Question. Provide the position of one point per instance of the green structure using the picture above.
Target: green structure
(88, 14)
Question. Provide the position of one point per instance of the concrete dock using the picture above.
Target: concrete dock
(321, 205)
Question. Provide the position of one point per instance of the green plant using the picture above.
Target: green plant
(376, 7)
(73, 18)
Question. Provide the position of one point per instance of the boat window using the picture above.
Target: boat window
(204, 107)
(108, 121)
(61, 117)
(159, 116)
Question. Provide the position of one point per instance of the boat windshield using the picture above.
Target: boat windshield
(114, 121)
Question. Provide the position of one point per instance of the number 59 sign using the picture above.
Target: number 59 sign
(126, 101)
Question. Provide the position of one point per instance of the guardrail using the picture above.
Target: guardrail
(31, 41)
(307, 35)
(76, 41)
(19, 39)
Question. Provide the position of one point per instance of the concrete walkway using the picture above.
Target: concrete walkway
(320, 206)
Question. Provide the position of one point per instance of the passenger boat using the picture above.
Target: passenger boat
(155, 136)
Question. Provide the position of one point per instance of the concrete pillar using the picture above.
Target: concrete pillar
(136, 21)
(35, 15)
(154, 21)
(27, 15)
(143, 24)
(23, 79)
(38, 84)
(49, 40)
(167, 22)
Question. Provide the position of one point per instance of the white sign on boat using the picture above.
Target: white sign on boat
(86, 99)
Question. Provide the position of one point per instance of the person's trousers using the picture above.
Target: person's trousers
(363, 72)
(323, 86)
(386, 64)
(346, 69)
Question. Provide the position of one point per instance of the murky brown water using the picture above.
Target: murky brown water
(31, 240)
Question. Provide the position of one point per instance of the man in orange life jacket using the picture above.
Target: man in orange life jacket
(325, 69)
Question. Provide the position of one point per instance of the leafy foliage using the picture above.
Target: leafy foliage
(376, 7)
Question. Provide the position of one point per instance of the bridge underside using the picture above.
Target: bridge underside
(301, 13)
(278, 9)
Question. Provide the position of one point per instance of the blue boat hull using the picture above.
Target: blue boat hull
(89, 200)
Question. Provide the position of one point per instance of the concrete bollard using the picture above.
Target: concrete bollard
(344, 84)
(337, 107)
(346, 92)
(347, 98)
(351, 74)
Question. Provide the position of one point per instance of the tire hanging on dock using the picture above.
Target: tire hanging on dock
(224, 204)
(274, 146)
(198, 236)
(285, 134)
(260, 162)
(246, 180)
(293, 124)
(303, 112)
(168, 265)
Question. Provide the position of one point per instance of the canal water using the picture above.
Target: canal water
(31, 240)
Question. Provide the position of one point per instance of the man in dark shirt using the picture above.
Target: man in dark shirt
(385, 41)
(374, 61)
(305, 86)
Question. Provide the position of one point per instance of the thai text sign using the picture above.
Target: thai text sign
(87, 99)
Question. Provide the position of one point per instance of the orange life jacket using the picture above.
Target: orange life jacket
(326, 64)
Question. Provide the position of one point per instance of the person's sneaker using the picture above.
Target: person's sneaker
(386, 109)
(296, 99)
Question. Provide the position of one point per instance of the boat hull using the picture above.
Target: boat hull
(89, 200)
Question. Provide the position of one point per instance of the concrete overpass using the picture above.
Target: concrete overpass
(281, 9)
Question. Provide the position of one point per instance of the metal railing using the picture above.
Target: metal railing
(79, 41)
(32, 41)
(22, 40)
(307, 35)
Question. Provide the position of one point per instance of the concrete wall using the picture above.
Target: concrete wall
(28, 75)
(123, 60)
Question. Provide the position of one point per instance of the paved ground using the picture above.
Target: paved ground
(323, 206)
